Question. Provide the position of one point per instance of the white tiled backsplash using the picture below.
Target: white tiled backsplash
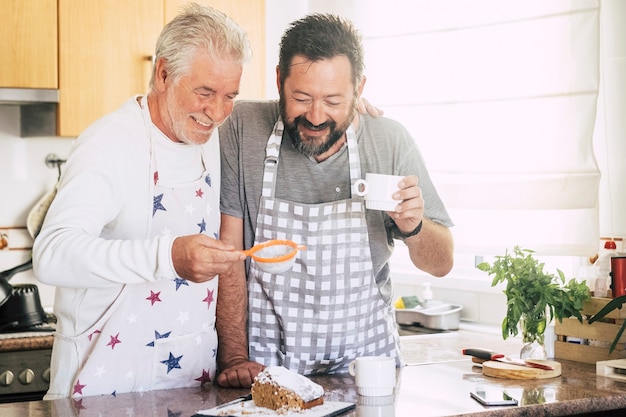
(24, 179)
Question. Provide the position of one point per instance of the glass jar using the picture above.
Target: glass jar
(533, 336)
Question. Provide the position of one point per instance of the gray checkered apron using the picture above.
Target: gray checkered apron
(327, 310)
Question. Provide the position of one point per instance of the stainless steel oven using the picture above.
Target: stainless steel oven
(25, 364)
(24, 375)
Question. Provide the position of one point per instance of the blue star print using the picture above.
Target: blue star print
(207, 179)
(158, 336)
(156, 204)
(202, 226)
(172, 362)
(179, 282)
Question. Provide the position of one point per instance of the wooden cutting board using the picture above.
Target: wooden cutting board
(505, 370)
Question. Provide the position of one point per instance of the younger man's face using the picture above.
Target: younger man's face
(318, 102)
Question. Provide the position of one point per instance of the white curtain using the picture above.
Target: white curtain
(501, 98)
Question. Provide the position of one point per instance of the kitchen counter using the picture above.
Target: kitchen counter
(436, 382)
(17, 341)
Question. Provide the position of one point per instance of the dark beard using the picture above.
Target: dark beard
(313, 147)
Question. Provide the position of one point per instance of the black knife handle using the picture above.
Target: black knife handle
(485, 354)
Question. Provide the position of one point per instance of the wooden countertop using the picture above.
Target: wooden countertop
(39, 341)
(436, 383)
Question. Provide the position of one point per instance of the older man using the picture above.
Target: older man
(130, 241)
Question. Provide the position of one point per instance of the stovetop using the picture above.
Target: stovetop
(44, 329)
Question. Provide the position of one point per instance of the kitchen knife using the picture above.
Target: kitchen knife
(490, 355)
(235, 401)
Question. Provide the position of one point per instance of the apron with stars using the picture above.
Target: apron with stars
(327, 310)
(158, 335)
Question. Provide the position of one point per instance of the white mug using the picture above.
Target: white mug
(374, 375)
(378, 190)
(376, 406)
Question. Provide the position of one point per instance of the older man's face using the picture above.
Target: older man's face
(198, 102)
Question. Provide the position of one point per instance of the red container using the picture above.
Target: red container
(618, 275)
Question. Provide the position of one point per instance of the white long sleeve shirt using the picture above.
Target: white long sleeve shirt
(94, 238)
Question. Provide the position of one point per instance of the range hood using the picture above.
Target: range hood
(38, 109)
(28, 95)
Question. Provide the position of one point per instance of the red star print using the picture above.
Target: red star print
(114, 341)
(78, 405)
(156, 177)
(206, 377)
(78, 388)
(92, 334)
(209, 297)
(154, 297)
(199, 193)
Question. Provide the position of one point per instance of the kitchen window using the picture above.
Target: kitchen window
(501, 98)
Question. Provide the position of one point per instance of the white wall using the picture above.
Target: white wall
(24, 179)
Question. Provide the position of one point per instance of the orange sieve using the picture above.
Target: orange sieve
(274, 256)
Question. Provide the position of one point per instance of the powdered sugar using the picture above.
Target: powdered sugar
(301, 385)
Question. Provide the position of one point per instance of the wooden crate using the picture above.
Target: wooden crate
(597, 337)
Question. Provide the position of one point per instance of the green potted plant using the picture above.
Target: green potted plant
(532, 294)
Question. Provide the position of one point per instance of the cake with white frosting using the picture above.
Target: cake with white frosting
(278, 388)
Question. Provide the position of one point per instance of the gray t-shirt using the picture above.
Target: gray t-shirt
(385, 147)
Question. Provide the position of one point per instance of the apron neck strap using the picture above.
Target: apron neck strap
(272, 152)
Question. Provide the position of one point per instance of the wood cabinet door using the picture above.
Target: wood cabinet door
(104, 56)
(250, 15)
(28, 29)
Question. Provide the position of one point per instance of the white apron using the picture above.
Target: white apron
(161, 334)
(327, 310)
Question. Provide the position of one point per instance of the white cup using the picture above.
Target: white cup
(374, 376)
(376, 406)
(378, 190)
